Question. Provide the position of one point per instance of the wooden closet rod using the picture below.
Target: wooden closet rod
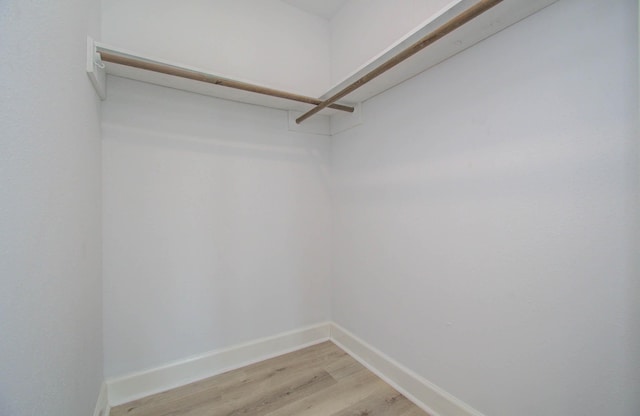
(459, 20)
(124, 59)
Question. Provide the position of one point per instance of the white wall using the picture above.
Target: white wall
(486, 219)
(50, 302)
(264, 41)
(216, 225)
(362, 29)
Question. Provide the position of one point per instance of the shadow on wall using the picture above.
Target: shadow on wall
(162, 117)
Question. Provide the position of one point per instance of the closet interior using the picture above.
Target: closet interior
(319, 207)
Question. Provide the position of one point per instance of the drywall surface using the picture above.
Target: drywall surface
(486, 218)
(267, 42)
(216, 225)
(50, 301)
(362, 29)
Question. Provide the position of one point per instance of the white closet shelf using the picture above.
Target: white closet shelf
(481, 27)
(106, 59)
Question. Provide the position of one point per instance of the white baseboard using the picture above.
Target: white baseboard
(102, 405)
(137, 385)
(423, 393)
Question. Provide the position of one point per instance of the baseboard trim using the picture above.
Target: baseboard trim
(422, 392)
(141, 384)
(102, 404)
(416, 388)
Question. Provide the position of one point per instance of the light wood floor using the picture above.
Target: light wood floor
(321, 380)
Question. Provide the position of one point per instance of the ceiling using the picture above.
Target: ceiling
(323, 8)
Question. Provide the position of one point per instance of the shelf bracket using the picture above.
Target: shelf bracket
(95, 69)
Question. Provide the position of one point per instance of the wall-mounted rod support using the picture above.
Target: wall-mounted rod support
(459, 20)
(107, 55)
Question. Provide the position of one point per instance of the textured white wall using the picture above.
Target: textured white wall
(362, 29)
(263, 41)
(486, 218)
(216, 225)
(50, 301)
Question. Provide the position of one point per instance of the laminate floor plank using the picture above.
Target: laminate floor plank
(290, 393)
(414, 411)
(233, 384)
(344, 367)
(343, 394)
(385, 401)
(321, 380)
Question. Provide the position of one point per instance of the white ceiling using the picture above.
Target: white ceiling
(322, 8)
